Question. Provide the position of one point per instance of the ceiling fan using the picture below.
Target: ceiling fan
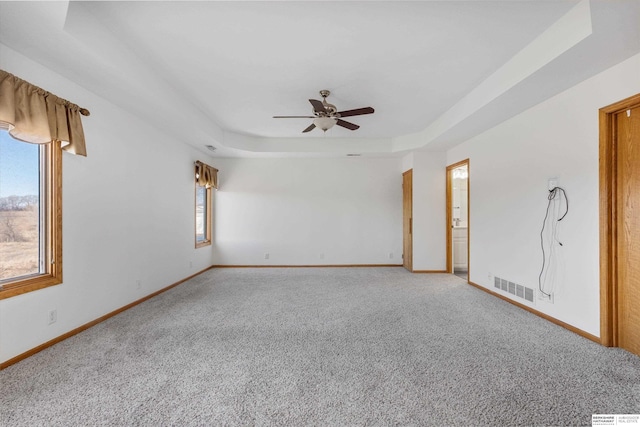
(326, 115)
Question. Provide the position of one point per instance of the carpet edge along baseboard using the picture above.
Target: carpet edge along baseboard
(94, 322)
(303, 265)
(100, 319)
(551, 319)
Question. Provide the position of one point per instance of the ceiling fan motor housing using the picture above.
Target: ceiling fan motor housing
(331, 110)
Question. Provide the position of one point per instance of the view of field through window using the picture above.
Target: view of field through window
(201, 213)
(19, 208)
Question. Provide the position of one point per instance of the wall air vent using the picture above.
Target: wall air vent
(354, 155)
(513, 288)
(211, 147)
(528, 294)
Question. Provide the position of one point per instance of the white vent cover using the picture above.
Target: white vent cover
(513, 288)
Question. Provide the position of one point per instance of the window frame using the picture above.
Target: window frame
(207, 218)
(52, 235)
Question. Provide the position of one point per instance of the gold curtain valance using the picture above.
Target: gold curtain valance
(32, 114)
(206, 176)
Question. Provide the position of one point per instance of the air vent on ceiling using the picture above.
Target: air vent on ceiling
(354, 155)
(211, 147)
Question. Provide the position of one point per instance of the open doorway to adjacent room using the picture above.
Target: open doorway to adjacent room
(458, 219)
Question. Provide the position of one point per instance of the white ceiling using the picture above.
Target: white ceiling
(436, 72)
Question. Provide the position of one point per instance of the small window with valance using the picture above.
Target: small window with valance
(206, 179)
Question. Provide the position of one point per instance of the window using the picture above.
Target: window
(30, 216)
(206, 178)
(203, 215)
(31, 182)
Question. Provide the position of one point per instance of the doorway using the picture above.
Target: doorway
(407, 219)
(620, 225)
(458, 219)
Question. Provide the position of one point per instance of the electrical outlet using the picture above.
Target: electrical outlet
(545, 297)
(190, 264)
(390, 255)
(490, 277)
(53, 316)
(322, 256)
(266, 255)
(138, 284)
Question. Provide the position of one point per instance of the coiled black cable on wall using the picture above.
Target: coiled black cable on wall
(555, 193)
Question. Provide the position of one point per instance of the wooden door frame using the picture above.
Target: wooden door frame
(449, 224)
(407, 258)
(608, 216)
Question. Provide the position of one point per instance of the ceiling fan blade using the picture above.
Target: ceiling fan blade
(347, 125)
(294, 117)
(318, 107)
(310, 128)
(356, 112)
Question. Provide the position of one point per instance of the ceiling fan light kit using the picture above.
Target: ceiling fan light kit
(326, 115)
(324, 123)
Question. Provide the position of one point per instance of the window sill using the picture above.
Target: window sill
(30, 284)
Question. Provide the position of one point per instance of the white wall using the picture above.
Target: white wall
(429, 211)
(509, 169)
(128, 214)
(349, 209)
